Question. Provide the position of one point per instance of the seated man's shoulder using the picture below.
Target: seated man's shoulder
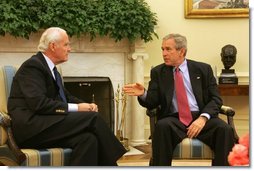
(199, 63)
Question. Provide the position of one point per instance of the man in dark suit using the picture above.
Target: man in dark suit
(203, 102)
(45, 115)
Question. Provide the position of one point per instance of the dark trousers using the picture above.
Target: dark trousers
(169, 131)
(92, 141)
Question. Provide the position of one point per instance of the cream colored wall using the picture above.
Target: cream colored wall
(205, 37)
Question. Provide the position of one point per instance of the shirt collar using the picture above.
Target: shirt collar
(183, 67)
(49, 62)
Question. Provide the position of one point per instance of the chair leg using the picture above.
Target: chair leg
(151, 162)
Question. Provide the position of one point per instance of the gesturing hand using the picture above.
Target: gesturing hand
(134, 89)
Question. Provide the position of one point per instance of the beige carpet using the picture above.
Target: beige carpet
(133, 151)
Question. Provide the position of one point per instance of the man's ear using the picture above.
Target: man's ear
(52, 46)
(183, 51)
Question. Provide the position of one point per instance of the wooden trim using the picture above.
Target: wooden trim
(233, 90)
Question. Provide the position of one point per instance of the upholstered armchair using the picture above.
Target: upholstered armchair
(194, 149)
(10, 153)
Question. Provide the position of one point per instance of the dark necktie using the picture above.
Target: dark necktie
(60, 84)
(182, 100)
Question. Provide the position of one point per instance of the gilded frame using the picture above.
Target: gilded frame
(190, 12)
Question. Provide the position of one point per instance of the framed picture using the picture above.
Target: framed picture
(216, 8)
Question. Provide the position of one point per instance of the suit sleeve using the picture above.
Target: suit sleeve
(152, 98)
(211, 97)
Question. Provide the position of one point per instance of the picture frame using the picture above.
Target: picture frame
(215, 9)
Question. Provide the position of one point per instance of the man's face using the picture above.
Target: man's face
(171, 55)
(228, 57)
(62, 49)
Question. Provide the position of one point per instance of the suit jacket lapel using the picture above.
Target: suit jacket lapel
(168, 81)
(196, 81)
(46, 67)
(44, 62)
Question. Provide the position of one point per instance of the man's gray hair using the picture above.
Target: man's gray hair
(52, 34)
(181, 41)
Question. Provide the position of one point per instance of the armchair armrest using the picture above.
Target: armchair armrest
(226, 110)
(230, 112)
(152, 112)
(15, 154)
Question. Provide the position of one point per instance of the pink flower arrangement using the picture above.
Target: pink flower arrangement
(239, 156)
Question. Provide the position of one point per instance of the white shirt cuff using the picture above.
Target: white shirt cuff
(206, 115)
(72, 107)
(143, 97)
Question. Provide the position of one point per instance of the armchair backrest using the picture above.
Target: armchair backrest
(6, 76)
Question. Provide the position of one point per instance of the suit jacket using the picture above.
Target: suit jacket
(161, 88)
(34, 103)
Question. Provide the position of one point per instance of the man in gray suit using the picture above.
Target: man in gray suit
(203, 102)
(45, 115)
